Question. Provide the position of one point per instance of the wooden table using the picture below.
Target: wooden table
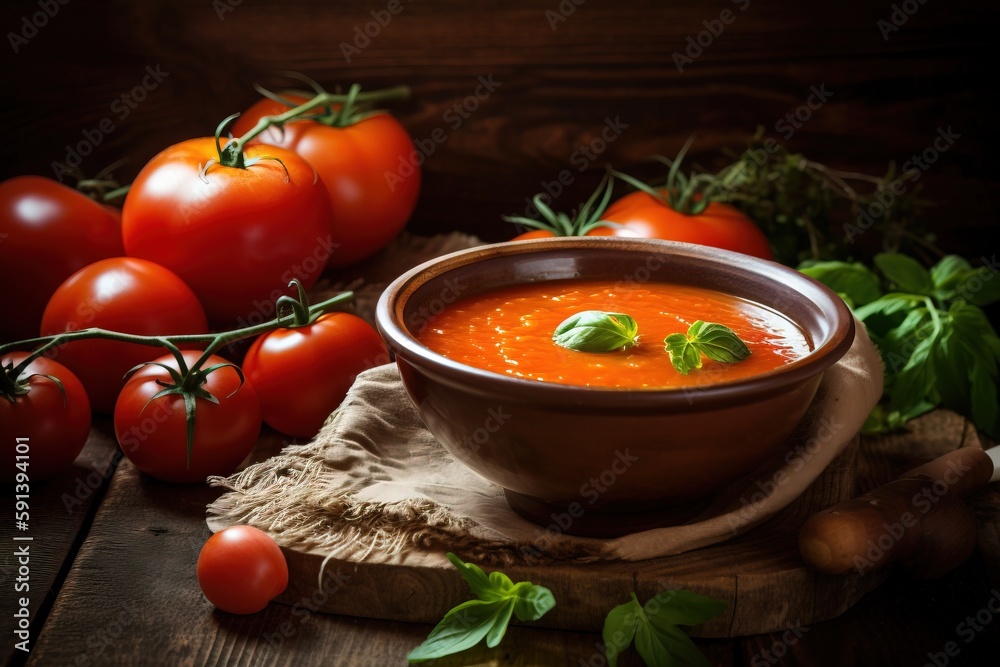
(112, 582)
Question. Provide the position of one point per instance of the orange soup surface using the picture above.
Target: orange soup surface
(509, 331)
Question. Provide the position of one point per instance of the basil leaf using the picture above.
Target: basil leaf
(684, 354)
(682, 607)
(619, 629)
(461, 628)
(948, 272)
(653, 627)
(498, 598)
(500, 623)
(979, 288)
(985, 412)
(596, 331)
(720, 343)
(715, 341)
(907, 273)
(854, 282)
(534, 604)
(479, 583)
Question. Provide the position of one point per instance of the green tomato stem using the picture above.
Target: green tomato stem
(324, 99)
(215, 341)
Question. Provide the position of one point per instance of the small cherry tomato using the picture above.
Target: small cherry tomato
(302, 374)
(152, 432)
(241, 569)
(367, 167)
(53, 425)
(121, 294)
(47, 232)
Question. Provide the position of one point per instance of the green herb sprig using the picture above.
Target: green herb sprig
(497, 599)
(715, 341)
(653, 627)
(597, 331)
(937, 344)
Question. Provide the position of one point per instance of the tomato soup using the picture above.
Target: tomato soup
(509, 331)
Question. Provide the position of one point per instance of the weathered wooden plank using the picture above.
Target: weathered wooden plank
(61, 509)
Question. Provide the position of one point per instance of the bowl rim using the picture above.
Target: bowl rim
(480, 381)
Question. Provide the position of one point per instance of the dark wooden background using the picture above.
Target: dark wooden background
(606, 60)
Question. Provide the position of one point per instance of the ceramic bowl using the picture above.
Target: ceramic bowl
(611, 460)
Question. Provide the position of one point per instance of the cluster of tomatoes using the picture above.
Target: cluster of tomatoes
(199, 246)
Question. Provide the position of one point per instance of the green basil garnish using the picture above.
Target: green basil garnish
(653, 627)
(596, 331)
(716, 341)
(487, 616)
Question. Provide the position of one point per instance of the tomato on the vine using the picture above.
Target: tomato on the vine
(152, 430)
(241, 569)
(122, 294)
(719, 225)
(302, 374)
(52, 416)
(235, 234)
(366, 164)
(47, 232)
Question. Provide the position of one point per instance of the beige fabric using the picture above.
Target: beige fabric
(375, 484)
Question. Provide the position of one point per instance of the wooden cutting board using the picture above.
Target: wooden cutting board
(760, 573)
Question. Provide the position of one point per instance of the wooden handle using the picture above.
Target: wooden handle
(918, 519)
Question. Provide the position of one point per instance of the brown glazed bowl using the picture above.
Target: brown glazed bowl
(608, 461)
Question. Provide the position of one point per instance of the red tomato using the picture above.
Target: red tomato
(367, 168)
(121, 294)
(241, 569)
(47, 232)
(719, 225)
(302, 374)
(153, 432)
(596, 231)
(235, 236)
(55, 425)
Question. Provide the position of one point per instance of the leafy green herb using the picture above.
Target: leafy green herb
(937, 344)
(497, 599)
(653, 627)
(811, 211)
(715, 341)
(855, 283)
(596, 331)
